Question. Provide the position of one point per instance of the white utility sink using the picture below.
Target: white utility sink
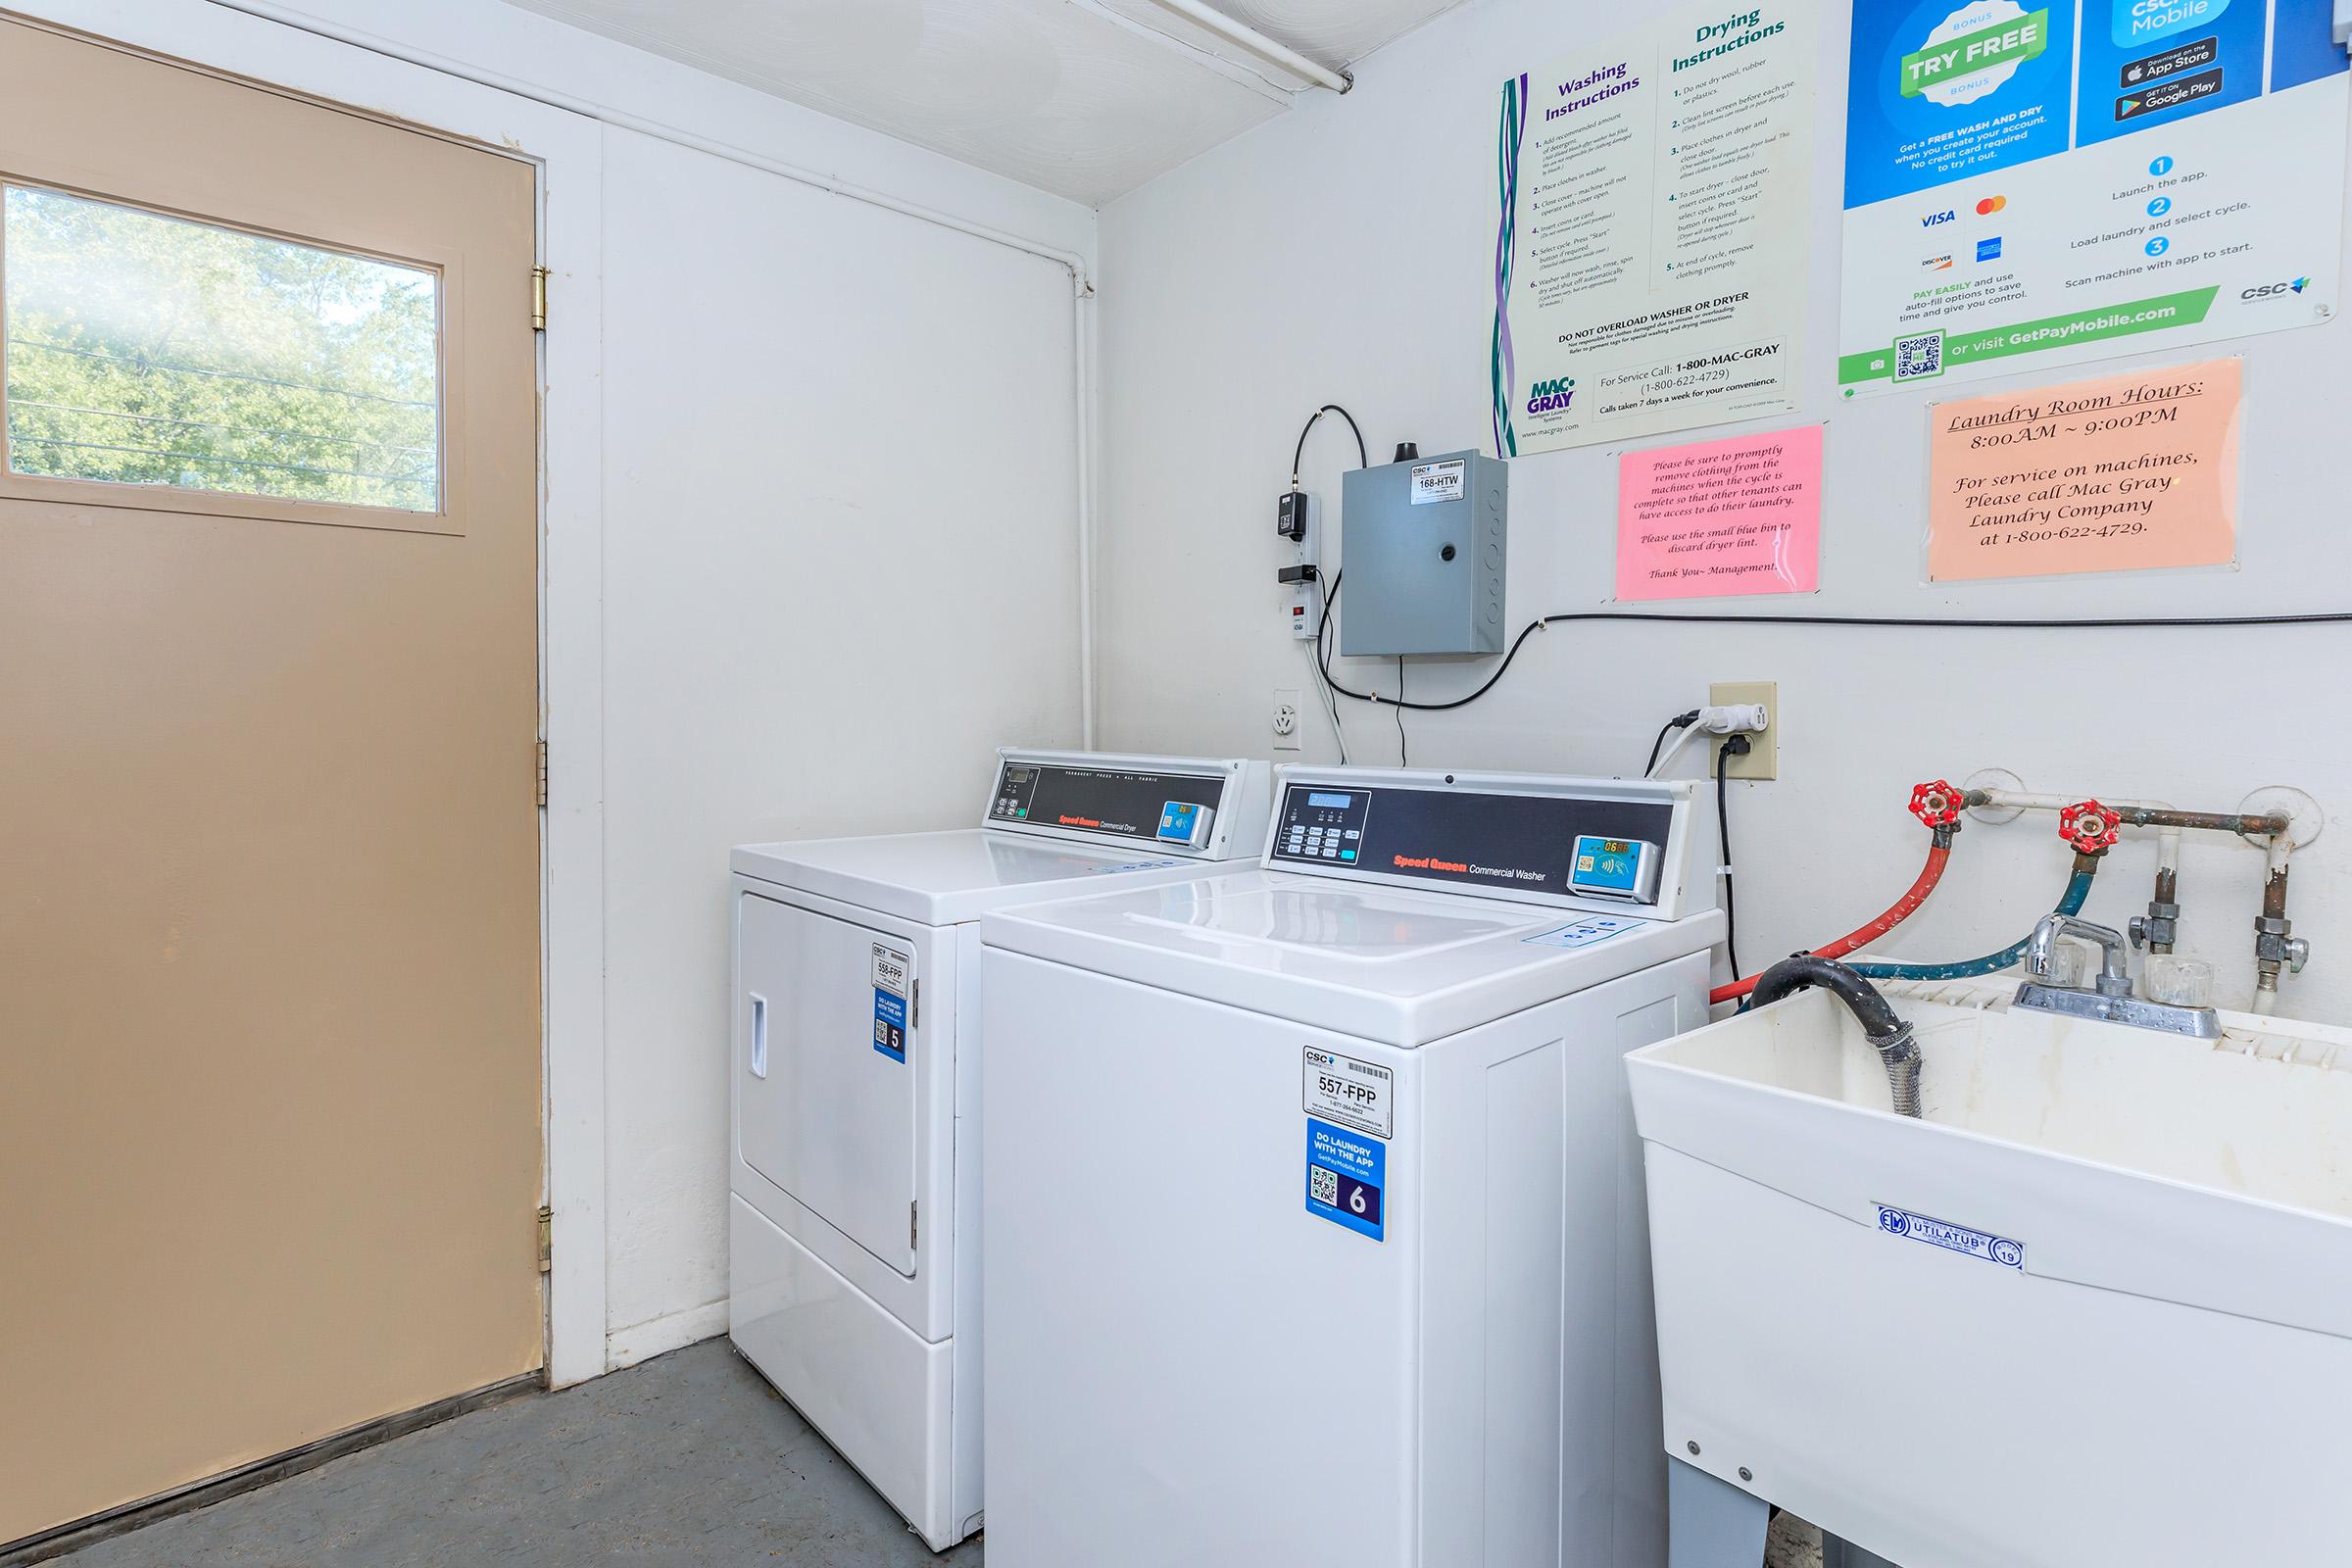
(2093, 1310)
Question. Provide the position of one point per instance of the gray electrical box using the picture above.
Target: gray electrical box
(1423, 544)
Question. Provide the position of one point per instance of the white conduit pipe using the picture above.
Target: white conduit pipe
(1082, 285)
(1244, 36)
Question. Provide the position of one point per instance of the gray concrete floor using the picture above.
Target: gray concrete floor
(688, 1459)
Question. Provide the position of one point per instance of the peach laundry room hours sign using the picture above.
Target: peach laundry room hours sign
(2125, 473)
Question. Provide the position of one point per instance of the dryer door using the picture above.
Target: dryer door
(826, 1069)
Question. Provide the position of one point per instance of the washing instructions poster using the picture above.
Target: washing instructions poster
(1650, 256)
(2032, 187)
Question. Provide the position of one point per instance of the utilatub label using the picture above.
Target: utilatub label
(1952, 1238)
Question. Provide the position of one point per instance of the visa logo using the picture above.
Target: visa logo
(1949, 215)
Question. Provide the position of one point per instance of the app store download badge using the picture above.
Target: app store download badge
(2142, 21)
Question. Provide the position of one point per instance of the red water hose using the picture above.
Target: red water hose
(1901, 910)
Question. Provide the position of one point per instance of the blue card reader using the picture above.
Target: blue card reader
(1184, 822)
(1615, 868)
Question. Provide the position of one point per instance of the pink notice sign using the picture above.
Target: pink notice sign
(1737, 516)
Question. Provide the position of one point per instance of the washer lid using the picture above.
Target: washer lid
(947, 878)
(1392, 966)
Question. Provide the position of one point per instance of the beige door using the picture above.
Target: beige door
(269, 1062)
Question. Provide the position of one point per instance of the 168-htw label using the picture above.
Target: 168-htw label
(1434, 482)
(1354, 1094)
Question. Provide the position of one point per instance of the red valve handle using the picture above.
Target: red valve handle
(1936, 804)
(2090, 827)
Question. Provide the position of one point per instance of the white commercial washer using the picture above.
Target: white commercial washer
(854, 1235)
(1316, 1227)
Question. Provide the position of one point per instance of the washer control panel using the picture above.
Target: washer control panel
(1605, 845)
(1323, 825)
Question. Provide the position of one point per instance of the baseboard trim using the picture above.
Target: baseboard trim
(673, 1330)
(57, 1541)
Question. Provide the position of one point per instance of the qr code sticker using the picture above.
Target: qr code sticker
(1918, 356)
(1323, 1186)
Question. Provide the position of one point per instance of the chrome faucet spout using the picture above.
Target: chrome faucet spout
(2109, 999)
(2114, 979)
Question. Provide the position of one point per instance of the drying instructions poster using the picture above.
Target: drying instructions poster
(2127, 473)
(1650, 250)
(2035, 186)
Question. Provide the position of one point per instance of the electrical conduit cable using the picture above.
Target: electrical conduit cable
(2322, 617)
(2077, 889)
(1896, 913)
(1691, 733)
(1735, 746)
(1679, 722)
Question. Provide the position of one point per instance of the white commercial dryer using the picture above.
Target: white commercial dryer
(854, 1236)
(1316, 1226)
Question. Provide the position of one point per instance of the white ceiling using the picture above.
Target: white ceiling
(1085, 98)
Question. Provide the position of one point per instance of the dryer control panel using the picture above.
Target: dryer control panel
(1584, 843)
(1165, 804)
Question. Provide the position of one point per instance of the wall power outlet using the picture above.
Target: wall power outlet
(1286, 721)
(1763, 760)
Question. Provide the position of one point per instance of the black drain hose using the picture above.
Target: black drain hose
(1887, 1034)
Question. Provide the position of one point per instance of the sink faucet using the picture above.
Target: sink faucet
(2113, 981)
(2109, 999)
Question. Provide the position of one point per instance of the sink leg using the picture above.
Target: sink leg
(1836, 1554)
(1711, 1523)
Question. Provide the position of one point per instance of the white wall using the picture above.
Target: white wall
(1344, 253)
(840, 501)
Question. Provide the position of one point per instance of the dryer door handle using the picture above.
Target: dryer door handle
(758, 1035)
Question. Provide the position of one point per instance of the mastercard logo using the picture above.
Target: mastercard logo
(1992, 205)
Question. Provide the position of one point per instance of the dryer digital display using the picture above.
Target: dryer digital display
(1118, 803)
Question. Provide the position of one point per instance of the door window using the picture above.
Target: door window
(146, 350)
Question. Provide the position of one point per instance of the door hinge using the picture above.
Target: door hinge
(543, 773)
(538, 299)
(910, 1231)
(546, 1240)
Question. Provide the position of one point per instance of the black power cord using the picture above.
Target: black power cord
(1678, 721)
(1737, 746)
(1363, 458)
